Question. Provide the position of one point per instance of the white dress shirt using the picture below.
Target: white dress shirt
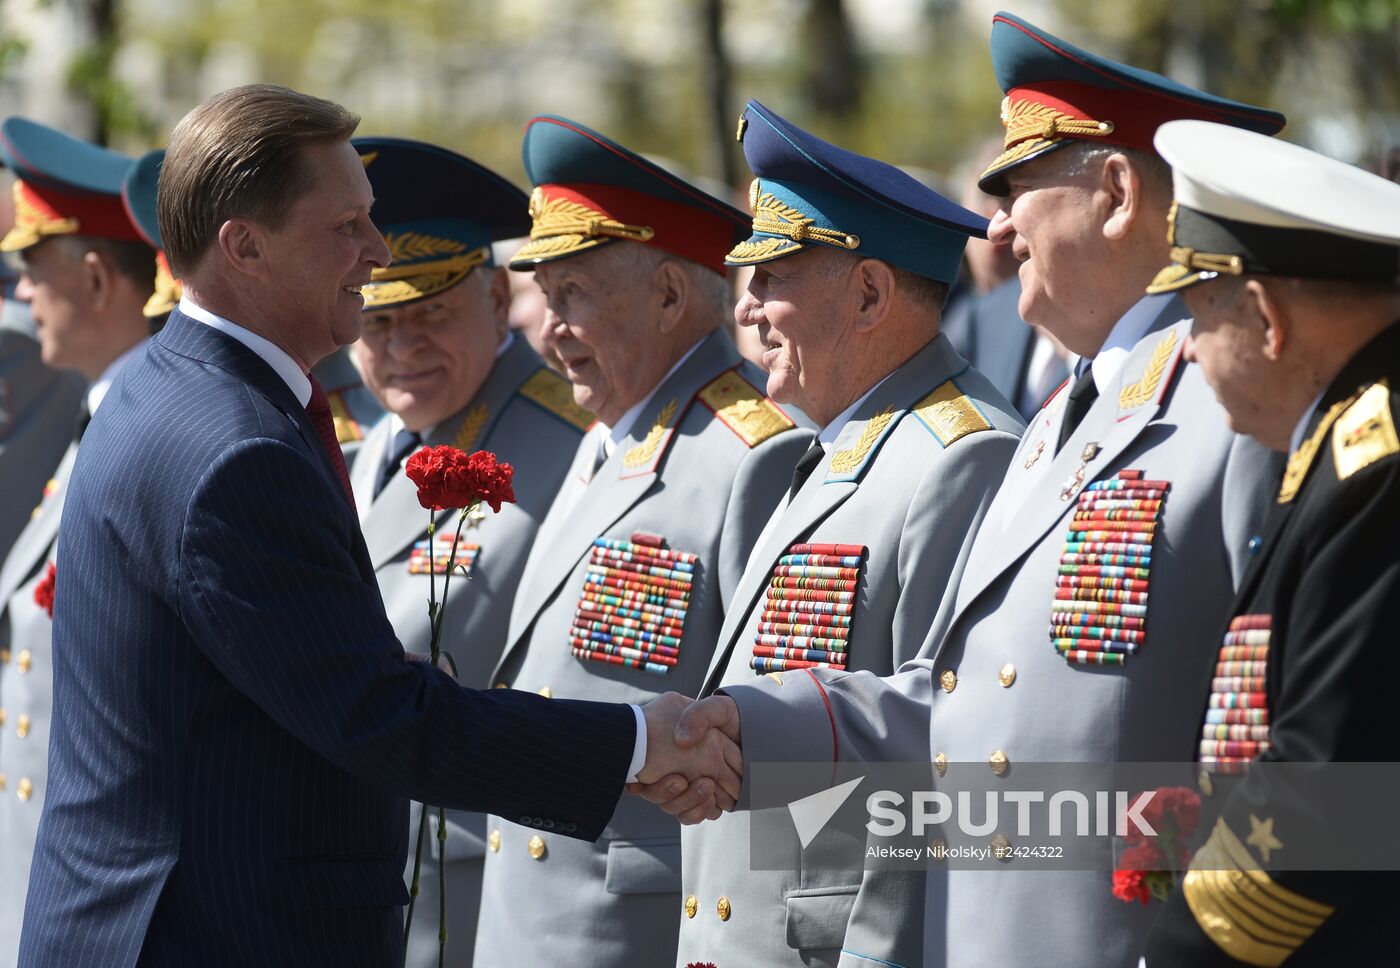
(1126, 333)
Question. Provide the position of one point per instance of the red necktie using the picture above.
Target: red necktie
(318, 408)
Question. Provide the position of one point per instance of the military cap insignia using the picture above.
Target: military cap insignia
(744, 409)
(1365, 432)
(1156, 375)
(1099, 614)
(555, 394)
(633, 606)
(950, 415)
(643, 457)
(846, 464)
(1250, 916)
(420, 559)
(1236, 728)
(808, 608)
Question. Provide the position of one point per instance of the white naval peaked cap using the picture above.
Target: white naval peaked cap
(1247, 203)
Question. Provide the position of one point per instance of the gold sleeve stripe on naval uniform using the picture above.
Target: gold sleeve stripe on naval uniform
(556, 394)
(1365, 432)
(744, 409)
(1241, 908)
(950, 414)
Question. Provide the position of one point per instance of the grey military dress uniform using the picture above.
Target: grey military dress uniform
(699, 474)
(26, 698)
(38, 408)
(353, 407)
(990, 690)
(914, 498)
(524, 413)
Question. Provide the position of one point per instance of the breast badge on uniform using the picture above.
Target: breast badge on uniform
(1236, 729)
(1099, 615)
(806, 620)
(442, 550)
(632, 610)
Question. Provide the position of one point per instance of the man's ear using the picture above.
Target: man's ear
(1267, 317)
(243, 244)
(499, 294)
(673, 290)
(1122, 185)
(98, 279)
(875, 286)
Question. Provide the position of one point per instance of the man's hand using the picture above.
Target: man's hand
(694, 767)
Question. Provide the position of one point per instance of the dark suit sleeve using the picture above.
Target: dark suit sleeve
(1336, 600)
(273, 592)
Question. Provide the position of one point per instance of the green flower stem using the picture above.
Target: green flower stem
(413, 887)
(442, 885)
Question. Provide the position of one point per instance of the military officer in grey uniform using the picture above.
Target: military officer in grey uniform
(624, 592)
(913, 444)
(1045, 652)
(87, 275)
(436, 352)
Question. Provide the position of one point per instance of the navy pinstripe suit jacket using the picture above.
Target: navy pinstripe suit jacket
(235, 729)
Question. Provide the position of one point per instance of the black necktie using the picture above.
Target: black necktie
(805, 465)
(1081, 397)
(80, 425)
(405, 442)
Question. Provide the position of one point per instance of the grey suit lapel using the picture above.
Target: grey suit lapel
(34, 541)
(396, 519)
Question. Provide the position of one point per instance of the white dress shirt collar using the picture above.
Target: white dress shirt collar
(1131, 327)
(267, 351)
(616, 434)
(103, 383)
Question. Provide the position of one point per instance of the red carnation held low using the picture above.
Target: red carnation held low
(450, 478)
(43, 592)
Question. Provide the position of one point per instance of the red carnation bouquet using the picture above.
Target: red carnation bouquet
(449, 478)
(1149, 867)
(43, 592)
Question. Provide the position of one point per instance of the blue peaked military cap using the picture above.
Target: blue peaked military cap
(63, 186)
(1057, 93)
(139, 197)
(589, 191)
(439, 213)
(809, 192)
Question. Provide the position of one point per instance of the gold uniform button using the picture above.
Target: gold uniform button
(4, 656)
(26, 788)
(2, 781)
(1001, 848)
(495, 841)
(691, 906)
(1007, 675)
(940, 763)
(22, 727)
(2, 717)
(536, 847)
(998, 762)
(24, 660)
(547, 692)
(500, 685)
(1203, 781)
(723, 909)
(948, 680)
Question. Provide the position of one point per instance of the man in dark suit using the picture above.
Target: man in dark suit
(236, 729)
(1290, 265)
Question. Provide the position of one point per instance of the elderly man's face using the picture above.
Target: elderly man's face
(1054, 226)
(600, 318)
(799, 304)
(323, 252)
(55, 284)
(1227, 340)
(426, 360)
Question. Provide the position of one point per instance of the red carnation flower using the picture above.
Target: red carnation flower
(449, 478)
(43, 592)
(1131, 886)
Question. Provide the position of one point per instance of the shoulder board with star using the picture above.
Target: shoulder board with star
(744, 408)
(1364, 432)
(553, 393)
(1156, 376)
(950, 415)
(347, 428)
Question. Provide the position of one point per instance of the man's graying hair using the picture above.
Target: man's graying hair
(238, 155)
(710, 288)
(1083, 156)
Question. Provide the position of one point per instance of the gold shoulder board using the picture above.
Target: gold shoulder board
(950, 415)
(556, 394)
(347, 428)
(1365, 432)
(744, 409)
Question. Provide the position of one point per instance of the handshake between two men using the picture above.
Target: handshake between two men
(694, 766)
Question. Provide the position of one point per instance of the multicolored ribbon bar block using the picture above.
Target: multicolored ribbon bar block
(442, 550)
(632, 610)
(1099, 616)
(1236, 729)
(807, 614)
